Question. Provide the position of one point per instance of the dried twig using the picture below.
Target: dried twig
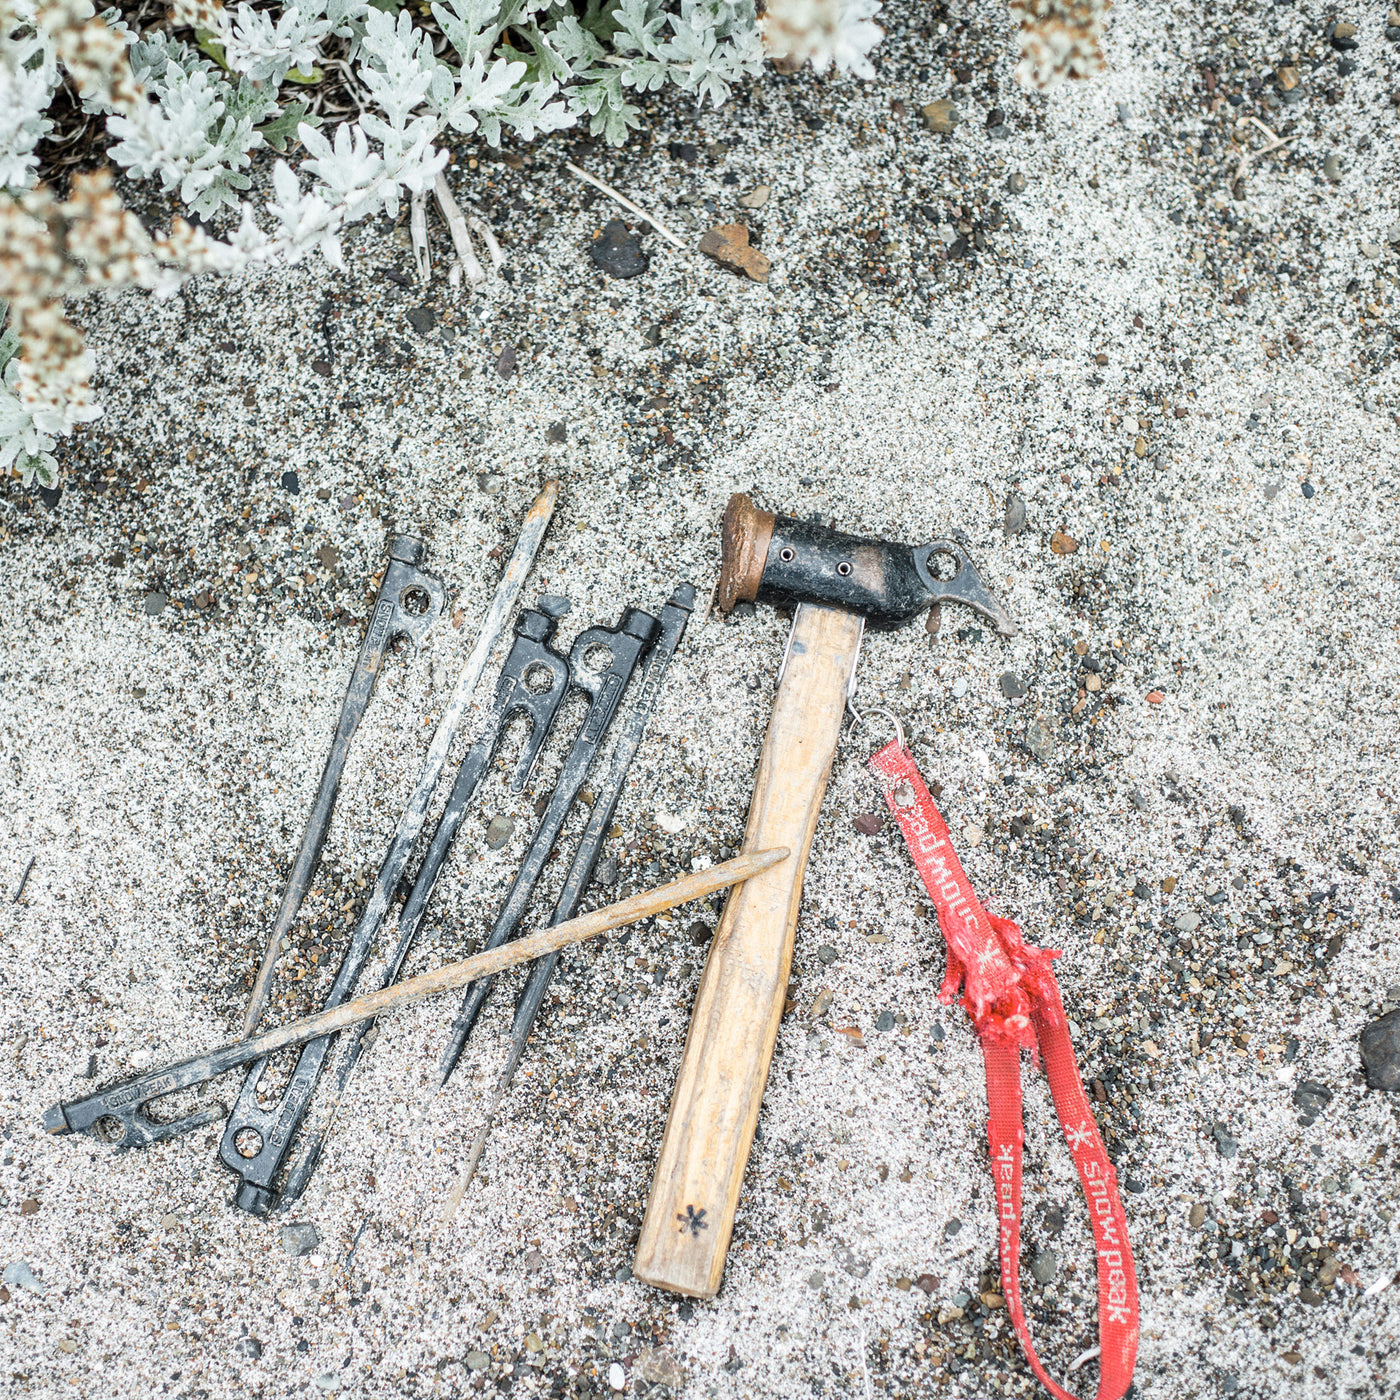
(1246, 157)
(626, 203)
(418, 232)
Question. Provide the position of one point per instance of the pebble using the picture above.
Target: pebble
(1015, 183)
(1309, 491)
(617, 1377)
(952, 1228)
(422, 319)
(1015, 519)
(1197, 1218)
(300, 1239)
(500, 830)
(22, 1276)
(1062, 543)
(557, 432)
(477, 1361)
(960, 687)
(1332, 168)
(756, 197)
(868, 823)
(327, 1381)
(1012, 686)
(885, 1021)
(155, 604)
(973, 834)
(1188, 923)
(827, 954)
(1380, 1052)
(816, 1279)
(1045, 1265)
(728, 245)
(617, 252)
(291, 483)
(1040, 740)
(1311, 1098)
(490, 483)
(505, 363)
(1139, 804)
(940, 117)
(1225, 1145)
(606, 873)
(249, 1347)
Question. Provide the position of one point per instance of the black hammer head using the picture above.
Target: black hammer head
(778, 559)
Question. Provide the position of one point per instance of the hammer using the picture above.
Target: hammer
(839, 584)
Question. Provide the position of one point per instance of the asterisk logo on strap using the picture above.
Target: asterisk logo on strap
(988, 957)
(1080, 1136)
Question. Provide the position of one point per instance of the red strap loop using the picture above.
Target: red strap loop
(1014, 1001)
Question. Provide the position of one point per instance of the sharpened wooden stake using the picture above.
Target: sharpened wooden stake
(536, 945)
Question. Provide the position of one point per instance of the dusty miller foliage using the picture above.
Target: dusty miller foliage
(191, 105)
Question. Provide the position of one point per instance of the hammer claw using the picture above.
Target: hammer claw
(965, 586)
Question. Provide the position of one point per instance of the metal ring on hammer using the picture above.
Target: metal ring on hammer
(859, 720)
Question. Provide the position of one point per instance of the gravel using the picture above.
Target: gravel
(158, 765)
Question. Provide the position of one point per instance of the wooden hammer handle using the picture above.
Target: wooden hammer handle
(714, 1109)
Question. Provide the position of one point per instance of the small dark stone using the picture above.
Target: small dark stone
(1139, 802)
(1045, 1265)
(1015, 519)
(1019, 826)
(826, 954)
(291, 483)
(699, 933)
(557, 433)
(606, 873)
(868, 823)
(1053, 1220)
(300, 1239)
(927, 1283)
(1309, 491)
(155, 604)
(684, 151)
(49, 495)
(1217, 897)
(249, 1347)
(1380, 1051)
(996, 117)
(1016, 183)
(422, 319)
(321, 367)
(1311, 1098)
(500, 830)
(1224, 1143)
(885, 1021)
(617, 252)
(91, 1071)
(1012, 687)
(1229, 1384)
(952, 1228)
(505, 364)
(742, 610)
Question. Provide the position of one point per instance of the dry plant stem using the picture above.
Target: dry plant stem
(1248, 157)
(626, 203)
(457, 227)
(418, 232)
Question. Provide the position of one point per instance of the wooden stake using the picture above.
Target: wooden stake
(457, 975)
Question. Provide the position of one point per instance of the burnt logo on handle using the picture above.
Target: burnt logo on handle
(693, 1220)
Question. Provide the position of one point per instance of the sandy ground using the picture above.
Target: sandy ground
(1194, 381)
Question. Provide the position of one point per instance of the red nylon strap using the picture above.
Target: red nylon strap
(1011, 994)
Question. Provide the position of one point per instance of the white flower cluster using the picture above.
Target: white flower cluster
(826, 32)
